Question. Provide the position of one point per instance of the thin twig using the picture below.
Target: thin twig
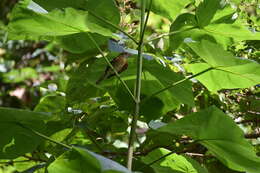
(176, 83)
(111, 66)
(114, 26)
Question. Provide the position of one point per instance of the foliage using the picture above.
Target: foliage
(188, 101)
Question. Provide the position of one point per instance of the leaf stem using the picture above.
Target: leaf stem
(177, 83)
(138, 83)
(111, 66)
(114, 26)
(168, 34)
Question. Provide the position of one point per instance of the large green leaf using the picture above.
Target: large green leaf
(26, 23)
(172, 164)
(105, 9)
(237, 31)
(80, 160)
(168, 8)
(80, 42)
(219, 133)
(231, 72)
(16, 140)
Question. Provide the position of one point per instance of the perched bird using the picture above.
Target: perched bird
(119, 63)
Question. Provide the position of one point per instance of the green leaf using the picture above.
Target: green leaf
(16, 140)
(81, 85)
(182, 22)
(152, 108)
(168, 9)
(183, 92)
(206, 11)
(196, 165)
(27, 24)
(219, 133)
(214, 54)
(80, 160)
(236, 31)
(51, 103)
(222, 29)
(224, 15)
(231, 72)
(173, 163)
(238, 76)
(105, 9)
(80, 42)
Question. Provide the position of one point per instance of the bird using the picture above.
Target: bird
(119, 63)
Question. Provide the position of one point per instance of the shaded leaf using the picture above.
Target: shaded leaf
(16, 140)
(219, 133)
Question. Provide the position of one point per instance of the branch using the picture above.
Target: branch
(114, 26)
(112, 67)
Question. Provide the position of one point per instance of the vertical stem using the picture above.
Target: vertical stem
(137, 88)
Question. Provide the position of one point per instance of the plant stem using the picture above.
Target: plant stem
(177, 83)
(114, 26)
(138, 84)
(111, 66)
